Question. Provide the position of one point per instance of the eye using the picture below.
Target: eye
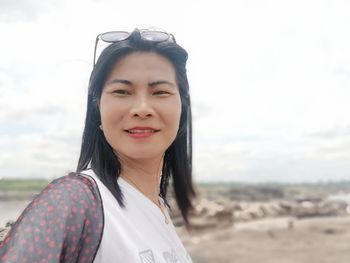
(121, 92)
(161, 93)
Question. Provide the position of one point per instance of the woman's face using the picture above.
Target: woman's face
(140, 106)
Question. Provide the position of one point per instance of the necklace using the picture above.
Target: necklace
(166, 220)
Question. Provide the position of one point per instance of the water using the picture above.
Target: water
(11, 210)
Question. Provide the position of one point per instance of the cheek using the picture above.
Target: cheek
(103, 107)
(111, 113)
(175, 114)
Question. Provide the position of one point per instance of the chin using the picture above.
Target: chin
(142, 154)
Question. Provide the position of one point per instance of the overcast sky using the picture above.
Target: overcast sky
(270, 83)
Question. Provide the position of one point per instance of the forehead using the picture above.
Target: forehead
(143, 64)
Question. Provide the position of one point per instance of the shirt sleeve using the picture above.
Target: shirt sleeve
(64, 223)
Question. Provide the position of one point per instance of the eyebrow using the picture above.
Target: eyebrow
(123, 81)
(150, 84)
(160, 82)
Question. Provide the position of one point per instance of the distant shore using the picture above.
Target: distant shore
(17, 195)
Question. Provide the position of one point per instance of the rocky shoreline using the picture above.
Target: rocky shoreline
(278, 226)
(219, 208)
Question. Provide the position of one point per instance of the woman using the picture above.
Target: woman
(137, 135)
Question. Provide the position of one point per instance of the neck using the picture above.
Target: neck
(144, 174)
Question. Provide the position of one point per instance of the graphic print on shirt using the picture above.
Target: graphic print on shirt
(170, 257)
(147, 256)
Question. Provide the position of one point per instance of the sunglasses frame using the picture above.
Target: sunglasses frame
(143, 33)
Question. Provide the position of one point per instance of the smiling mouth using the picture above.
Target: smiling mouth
(141, 131)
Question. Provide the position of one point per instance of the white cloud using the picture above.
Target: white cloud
(23, 10)
(269, 83)
(39, 155)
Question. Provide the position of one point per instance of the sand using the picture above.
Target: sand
(313, 240)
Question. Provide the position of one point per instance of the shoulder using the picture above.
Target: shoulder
(73, 179)
(74, 183)
(68, 213)
(65, 194)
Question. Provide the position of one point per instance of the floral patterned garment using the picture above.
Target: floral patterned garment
(63, 223)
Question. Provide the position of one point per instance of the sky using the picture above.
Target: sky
(269, 83)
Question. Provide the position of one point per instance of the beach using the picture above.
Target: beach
(312, 240)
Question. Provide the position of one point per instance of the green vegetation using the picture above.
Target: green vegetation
(39, 184)
(22, 184)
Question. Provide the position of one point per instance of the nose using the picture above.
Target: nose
(142, 108)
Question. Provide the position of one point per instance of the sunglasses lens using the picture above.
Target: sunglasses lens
(149, 35)
(115, 36)
(156, 36)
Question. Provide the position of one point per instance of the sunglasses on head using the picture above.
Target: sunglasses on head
(148, 35)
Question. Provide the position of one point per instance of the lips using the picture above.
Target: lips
(140, 130)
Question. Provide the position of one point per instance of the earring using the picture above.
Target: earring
(101, 128)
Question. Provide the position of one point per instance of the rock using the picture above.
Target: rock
(6, 229)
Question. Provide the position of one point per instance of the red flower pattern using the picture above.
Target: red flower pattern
(64, 223)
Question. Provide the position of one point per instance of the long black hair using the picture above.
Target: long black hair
(99, 155)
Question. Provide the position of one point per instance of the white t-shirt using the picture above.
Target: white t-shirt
(138, 232)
